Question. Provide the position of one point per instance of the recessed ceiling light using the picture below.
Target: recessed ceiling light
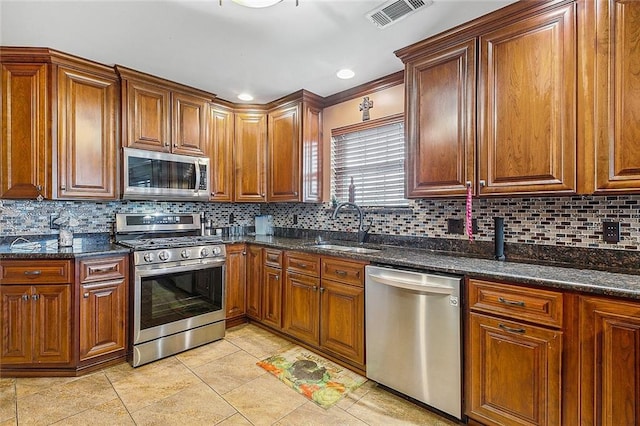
(256, 3)
(345, 74)
(245, 97)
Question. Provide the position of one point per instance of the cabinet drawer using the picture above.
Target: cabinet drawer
(347, 272)
(101, 269)
(273, 258)
(35, 271)
(303, 263)
(515, 302)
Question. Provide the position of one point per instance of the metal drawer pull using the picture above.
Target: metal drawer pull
(512, 330)
(35, 296)
(301, 265)
(510, 302)
(103, 270)
(25, 297)
(315, 288)
(37, 272)
(86, 295)
(341, 273)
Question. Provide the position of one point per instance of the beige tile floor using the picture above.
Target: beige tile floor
(216, 384)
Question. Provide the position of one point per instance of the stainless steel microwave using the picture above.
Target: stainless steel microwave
(151, 175)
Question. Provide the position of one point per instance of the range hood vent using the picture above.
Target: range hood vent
(393, 11)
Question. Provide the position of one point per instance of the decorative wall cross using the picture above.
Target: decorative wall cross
(365, 106)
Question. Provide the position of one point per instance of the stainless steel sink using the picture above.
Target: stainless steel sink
(349, 249)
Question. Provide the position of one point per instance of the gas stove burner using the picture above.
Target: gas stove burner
(171, 242)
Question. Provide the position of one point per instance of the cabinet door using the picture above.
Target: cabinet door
(302, 307)
(617, 96)
(236, 289)
(148, 116)
(87, 141)
(16, 315)
(221, 153)
(272, 297)
(25, 151)
(52, 318)
(527, 106)
(312, 189)
(513, 373)
(189, 124)
(254, 282)
(102, 318)
(610, 362)
(250, 153)
(283, 150)
(342, 324)
(441, 93)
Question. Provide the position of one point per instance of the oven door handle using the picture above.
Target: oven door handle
(159, 269)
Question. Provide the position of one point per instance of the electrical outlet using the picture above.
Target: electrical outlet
(51, 224)
(611, 232)
(455, 226)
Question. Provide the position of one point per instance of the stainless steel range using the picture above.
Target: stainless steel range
(178, 288)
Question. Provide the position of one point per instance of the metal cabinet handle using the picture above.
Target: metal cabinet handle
(166, 144)
(483, 183)
(175, 145)
(301, 265)
(276, 277)
(512, 330)
(63, 187)
(103, 270)
(36, 272)
(511, 302)
(341, 273)
(244, 253)
(25, 297)
(321, 289)
(86, 295)
(262, 195)
(315, 288)
(39, 188)
(35, 296)
(295, 193)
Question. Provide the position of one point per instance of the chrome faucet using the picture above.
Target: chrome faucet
(362, 230)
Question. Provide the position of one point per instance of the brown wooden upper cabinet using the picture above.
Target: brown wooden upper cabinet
(160, 115)
(250, 156)
(525, 93)
(278, 154)
(86, 114)
(221, 141)
(612, 162)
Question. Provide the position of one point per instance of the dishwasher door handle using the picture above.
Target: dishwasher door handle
(411, 285)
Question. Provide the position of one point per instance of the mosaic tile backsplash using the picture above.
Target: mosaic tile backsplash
(556, 221)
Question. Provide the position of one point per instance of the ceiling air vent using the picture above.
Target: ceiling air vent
(393, 11)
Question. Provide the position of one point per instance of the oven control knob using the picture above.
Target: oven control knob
(216, 251)
(163, 255)
(185, 254)
(204, 252)
(148, 257)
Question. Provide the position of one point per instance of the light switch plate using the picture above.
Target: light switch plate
(611, 232)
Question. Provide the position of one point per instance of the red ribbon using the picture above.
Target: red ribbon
(469, 221)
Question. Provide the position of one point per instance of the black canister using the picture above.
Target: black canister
(498, 238)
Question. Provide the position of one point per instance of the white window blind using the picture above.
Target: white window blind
(374, 157)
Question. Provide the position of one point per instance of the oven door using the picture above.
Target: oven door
(172, 299)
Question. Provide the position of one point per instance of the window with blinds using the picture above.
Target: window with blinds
(372, 154)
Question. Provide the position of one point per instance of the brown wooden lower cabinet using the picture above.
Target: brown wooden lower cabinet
(610, 361)
(272, 296)
(60, 317)
(515, 372)
(254, 282)
(36, 324)
(302, 307)
(235, 298)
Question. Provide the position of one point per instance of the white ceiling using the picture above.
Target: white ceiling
(228, 49)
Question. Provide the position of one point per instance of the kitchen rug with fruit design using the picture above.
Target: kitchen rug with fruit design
(315, 377)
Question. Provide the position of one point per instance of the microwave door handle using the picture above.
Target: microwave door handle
(197, 176)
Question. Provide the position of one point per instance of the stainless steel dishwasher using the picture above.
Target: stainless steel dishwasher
(413, 336)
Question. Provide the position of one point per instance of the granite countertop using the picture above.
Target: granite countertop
(583, 280)
(566, 278)
(89, 245)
